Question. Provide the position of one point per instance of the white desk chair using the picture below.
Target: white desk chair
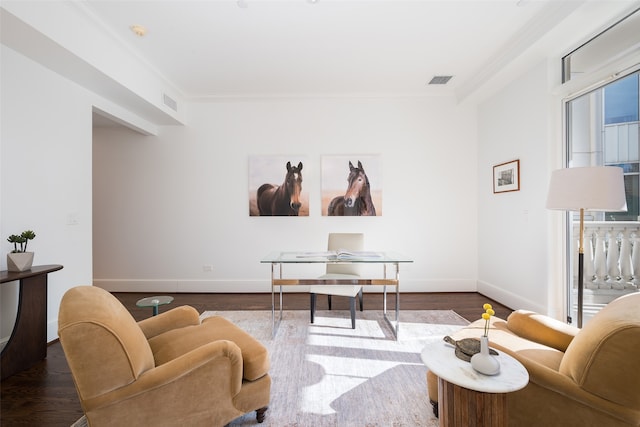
(350, 242)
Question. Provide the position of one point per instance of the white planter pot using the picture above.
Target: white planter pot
(19, 261)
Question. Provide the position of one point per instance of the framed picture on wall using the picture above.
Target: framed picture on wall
(506, 177)
(352, 185)
(275, 186)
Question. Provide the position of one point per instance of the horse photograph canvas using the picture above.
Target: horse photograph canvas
(352, 185)
(276, 186)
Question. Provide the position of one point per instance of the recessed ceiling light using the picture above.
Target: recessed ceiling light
(138, 30)
(440, 80)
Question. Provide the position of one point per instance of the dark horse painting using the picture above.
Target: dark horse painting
(282, 200)
(357, 200)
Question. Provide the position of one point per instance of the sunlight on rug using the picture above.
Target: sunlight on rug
(327, 374)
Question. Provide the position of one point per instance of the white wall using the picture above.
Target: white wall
(165, 206)
(516, 123)
(46, 176)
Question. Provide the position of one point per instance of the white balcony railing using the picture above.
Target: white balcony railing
(611, 260)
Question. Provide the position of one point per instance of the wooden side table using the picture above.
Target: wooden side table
(28, 342)
(468, 398)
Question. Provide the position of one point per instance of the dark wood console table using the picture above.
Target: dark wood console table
(28, 341)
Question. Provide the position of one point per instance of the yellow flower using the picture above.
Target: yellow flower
(487, 317)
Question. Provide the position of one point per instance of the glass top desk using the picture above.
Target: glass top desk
(385, 259)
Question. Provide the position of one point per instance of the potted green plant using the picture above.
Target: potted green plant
(19, 259)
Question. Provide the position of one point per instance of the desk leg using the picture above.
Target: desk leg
(274, 324)
(461, 407)
(281, 303)
(384, 301)
(273, 303)
(384, 293)
(394, 327)
(397, 300)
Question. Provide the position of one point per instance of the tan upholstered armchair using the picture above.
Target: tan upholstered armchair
(588, 377)
(167, 370)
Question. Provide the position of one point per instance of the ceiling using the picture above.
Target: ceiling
(247, 48)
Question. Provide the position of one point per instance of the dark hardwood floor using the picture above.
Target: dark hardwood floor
(45, 394)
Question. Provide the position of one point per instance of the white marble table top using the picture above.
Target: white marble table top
(440, 358)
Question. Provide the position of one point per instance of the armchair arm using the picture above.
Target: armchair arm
(175, 318)
(557, 384)
(212, 369)
(541, 329)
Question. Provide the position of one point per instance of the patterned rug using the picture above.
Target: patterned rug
(329, 375)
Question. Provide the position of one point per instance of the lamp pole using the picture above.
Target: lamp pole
(581, 268)
(593, 188)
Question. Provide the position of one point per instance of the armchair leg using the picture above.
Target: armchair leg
(434, 405)
(261, 413)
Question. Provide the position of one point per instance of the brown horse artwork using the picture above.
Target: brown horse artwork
(357, 200)
(282, 200)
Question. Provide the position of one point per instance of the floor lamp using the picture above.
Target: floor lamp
(594, 188)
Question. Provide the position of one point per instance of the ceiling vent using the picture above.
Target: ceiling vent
(440, 80)
(170, 102)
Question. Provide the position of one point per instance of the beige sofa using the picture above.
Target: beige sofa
(167, 370)
(588, 377)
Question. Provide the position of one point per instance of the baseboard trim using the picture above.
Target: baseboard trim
(507, 298)
(263, 286)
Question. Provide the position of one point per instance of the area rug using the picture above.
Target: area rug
(326, 374)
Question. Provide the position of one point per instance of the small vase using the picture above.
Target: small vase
(483, 362)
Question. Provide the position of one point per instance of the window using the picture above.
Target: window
(621, 101)
(602, 129)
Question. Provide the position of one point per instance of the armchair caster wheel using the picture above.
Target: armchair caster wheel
(261, 413)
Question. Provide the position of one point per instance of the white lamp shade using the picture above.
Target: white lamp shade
(594, 188)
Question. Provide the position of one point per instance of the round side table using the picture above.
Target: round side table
(465, 394)
(154, 302)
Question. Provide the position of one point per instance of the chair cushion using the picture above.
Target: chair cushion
(541, 329)
(169, 345)
(338, 290)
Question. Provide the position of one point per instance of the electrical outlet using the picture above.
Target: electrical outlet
(207, 268)
(72, 218)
